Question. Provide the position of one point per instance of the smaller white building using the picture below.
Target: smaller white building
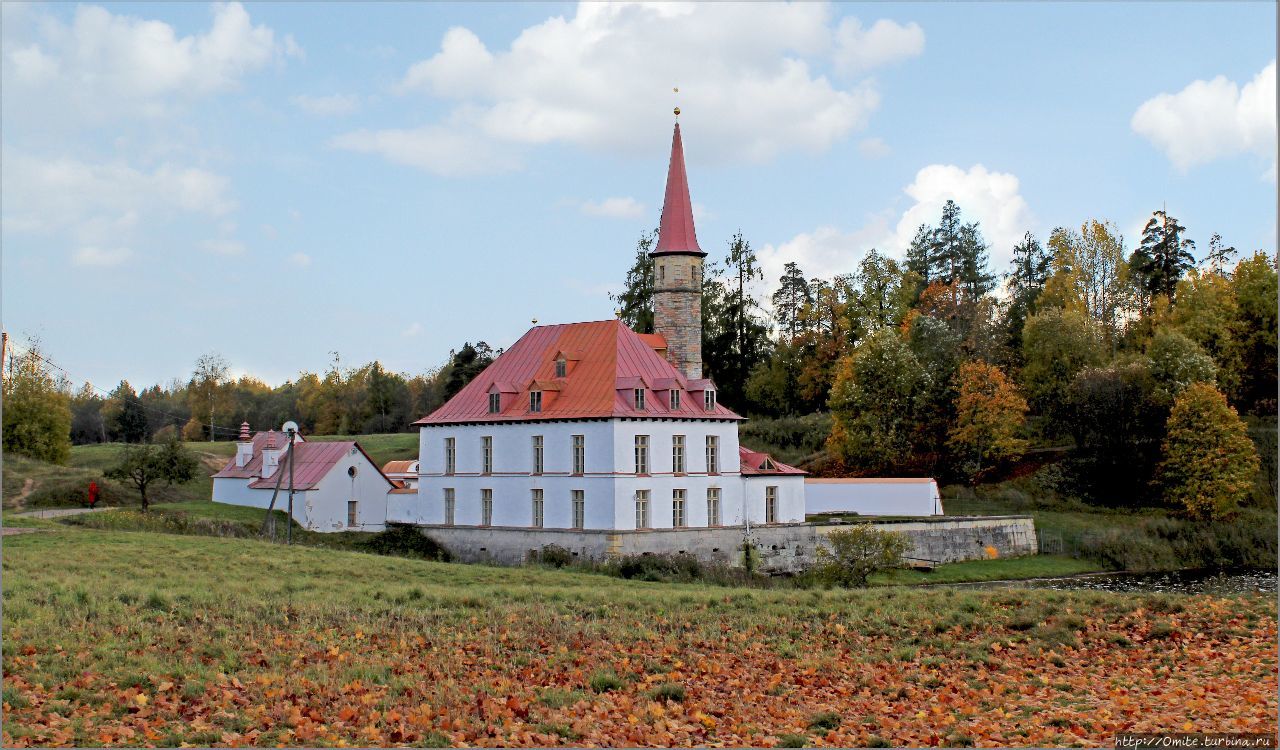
(405, 473)
(336, 486)
(908, 496)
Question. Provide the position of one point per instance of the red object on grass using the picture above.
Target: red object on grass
(93, 493)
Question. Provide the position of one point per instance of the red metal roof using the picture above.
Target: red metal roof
(614, 360)
(675, 233)
(311, 462)
(753, 464)
(397, 467)
(253, 467)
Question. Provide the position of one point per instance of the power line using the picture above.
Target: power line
(72, 379)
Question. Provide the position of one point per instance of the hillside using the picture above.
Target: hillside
(126, 638)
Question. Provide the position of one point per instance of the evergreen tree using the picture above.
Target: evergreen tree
(742, 338)
(920, 255)
(1219, 254)
(1030, 270)
(635, 301)
(1163, 257)
(789, 302)
(465, 364)
(130, 419)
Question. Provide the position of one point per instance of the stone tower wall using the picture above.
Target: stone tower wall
(677, 310)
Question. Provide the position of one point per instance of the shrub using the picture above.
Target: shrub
(603, 682)
(405, 540)
(851, 555)
(665, 568)
(668, 691)
(792, 740)
(553, 555)
(825, 720)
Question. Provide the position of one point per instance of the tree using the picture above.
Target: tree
(958, 253)
(87, 423)
(741, 339)
(1030, 270)
(465, 365)
(1090, 275)
(1219, 254)
(1116, 419)
(1163, 257)
(37, 408)
(849, 556)
(936, 347)
(1254, 334)
(126, 419)
(873, 404)
(790, 301)
(989, 417)
(1206, 311)
(1056, 345)
(206, 388)
(882, 295)
(1177, 362)
(1209, 461)
(635, 301)
(145, 464)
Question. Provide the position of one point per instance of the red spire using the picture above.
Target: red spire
(675, 234)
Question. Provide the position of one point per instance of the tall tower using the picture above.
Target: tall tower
(677, 271)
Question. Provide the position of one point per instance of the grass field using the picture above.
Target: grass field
(115, 638)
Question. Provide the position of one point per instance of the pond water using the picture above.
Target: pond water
(1215, 582)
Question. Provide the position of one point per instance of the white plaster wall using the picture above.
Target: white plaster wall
(233, 491)
(609, 484)
(870, 498)
(325, 508)
(791, 493)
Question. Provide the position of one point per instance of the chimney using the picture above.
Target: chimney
(244, 446)
(270, 455)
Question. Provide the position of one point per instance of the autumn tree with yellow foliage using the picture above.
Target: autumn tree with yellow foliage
(990, 414)
(1209, 462)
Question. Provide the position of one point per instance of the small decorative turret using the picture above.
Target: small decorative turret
(244, 446)
(270, 455)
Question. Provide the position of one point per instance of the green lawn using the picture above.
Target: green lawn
(128, 639)
(1033, 566)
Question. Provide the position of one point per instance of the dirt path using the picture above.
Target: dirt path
(58, 512)
(28, 487)
(17, 530)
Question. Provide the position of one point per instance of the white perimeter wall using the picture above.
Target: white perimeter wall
(872, 498)
(609, 484)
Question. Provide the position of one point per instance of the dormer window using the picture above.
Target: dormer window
(535, 401)
(495, 403)
(562, 367)
(709, 399)
(639, 398)
(767, 464)
(675, 399)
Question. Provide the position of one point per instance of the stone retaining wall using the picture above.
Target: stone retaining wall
(783, 548)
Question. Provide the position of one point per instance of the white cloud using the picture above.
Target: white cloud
(103, 65)
(414, 329)
(97, 204)
(333, 105)
(100, 257)
(874, 148)
(990, 198)
(614, 208)
(450, 152)
(859, 49)
(1208, 120)
(749, 76)
(301, 260)
(224, 247)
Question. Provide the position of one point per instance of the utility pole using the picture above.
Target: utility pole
(289, 458)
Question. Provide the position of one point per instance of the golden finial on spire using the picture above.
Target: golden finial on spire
(677, 109)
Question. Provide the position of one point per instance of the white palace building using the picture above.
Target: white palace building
(592, 426)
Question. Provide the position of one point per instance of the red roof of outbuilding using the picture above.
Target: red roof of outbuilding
(311, 462)
(753, 464)
(253, 467)
(613, 361)
(675, 233)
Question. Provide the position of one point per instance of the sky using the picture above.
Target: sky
(280, 182)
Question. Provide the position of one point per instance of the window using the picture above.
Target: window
(537, 509)
(713, 454)
(486, 450)
(662, 272)
(495, 403)
(677, 454)
(450, 455)
(642, 509)
(770, 504)
(709, 399)
(639, 399)
(351, 513)
(677, 508)
(675, 399)
(713, 506)
(579, 508)
(579, 454)
(561, 367)
(537, 454)
(642, 454)
(450, 502)
(486, 507)
(535, 401)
